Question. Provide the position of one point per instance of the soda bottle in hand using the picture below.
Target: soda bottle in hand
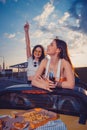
(51, 76)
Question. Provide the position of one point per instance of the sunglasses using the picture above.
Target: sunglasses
(35, 64)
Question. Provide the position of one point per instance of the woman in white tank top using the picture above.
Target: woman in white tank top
(33, 58)
(58, 65)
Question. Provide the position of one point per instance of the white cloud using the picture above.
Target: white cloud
(78, 60)
(78, 37)
(51, 25)
(78, 22)
(54, 16)
(10, 36)
(37, 34)
(77, 48)
(51, 1)
(76, 42)
(64, 18)
(41, 19)
(78, 55)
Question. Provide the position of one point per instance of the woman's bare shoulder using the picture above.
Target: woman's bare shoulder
(44, 62)
(65, 63)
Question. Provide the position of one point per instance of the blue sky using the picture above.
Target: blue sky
(66, 19)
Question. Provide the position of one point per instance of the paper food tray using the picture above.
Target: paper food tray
(37, 117)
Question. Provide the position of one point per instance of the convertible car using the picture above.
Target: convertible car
(63, 101)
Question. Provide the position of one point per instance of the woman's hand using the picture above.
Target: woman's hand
(51, 85)
(46, 83)
(26, 27)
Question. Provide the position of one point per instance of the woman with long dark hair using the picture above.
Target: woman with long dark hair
(33, 58)
(58, 67)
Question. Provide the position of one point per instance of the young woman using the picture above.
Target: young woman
(33, 58)
(58, 65)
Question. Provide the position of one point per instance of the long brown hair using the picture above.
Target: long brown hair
(63, 50)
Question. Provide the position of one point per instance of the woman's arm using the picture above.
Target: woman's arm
(40, 81)
(69, 75)
(37, 80)
(27, 39)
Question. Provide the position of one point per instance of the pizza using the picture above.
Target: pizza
(38, 117)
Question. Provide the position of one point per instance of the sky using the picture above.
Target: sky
(66, 19)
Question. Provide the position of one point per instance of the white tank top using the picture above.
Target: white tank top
(58, 69)
(31, 70)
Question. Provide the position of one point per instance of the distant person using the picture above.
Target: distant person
(33, 58)
(58, 66)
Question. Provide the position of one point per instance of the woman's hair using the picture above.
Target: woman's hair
(42, 55)
(63, 50)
